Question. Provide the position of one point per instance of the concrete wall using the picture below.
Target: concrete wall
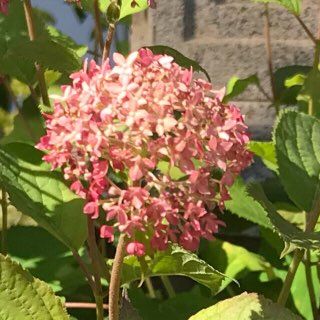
(227, 38)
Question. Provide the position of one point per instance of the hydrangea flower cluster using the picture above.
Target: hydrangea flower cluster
(4, 5)
(149, 146)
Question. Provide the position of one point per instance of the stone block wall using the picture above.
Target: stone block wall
(227, 38)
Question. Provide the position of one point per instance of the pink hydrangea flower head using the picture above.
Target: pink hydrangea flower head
(4, 6)
(169, 138)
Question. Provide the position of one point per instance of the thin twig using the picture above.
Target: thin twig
(310, 285)
(306, 29)
(107, 45)
(84, 269)
(168, 286)
(94, 255)
(150, 288)
(4, 207)
(97, 22)
(32, 35)
(114, 289)
(83, 305)
(269, 54)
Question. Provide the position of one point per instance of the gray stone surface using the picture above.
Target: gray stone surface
(227, 38)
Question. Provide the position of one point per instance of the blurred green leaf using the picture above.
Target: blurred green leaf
(247, 306)
(174, 261)
(179, 58)
(40, 193)
(266, 151)
(236, 86)
(25, 297)
(180, 307)
(294, 6)
(234, 261)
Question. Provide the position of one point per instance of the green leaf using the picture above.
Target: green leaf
(236, 86)
(126, 8)
(180, 307)
(66, 41)
(245, 206)
(294, 6)
(234, 261)
(179, 58)
(266, 151)
(50, 54)
(250, 202)
(297, 137)
(174, 261)
(40, 193)
(247, 306)
(23, 297)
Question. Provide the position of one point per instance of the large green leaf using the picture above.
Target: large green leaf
(40, 193)
(174, 261)
(179, 58)
(266, 151)
(234, 261)
(236, 86)
(23, 297)
(293, 6)
(247, 306)
(297, 140)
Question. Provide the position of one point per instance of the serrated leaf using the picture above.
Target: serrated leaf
(66, 41)
(297, 140)
(174, 261)
(48, 53)
(179, 58)
(244, 205)
(41, 194)
(247, 306)
(236, 86)
(249, 202)
(294, 6)
(266, 151)
(23, 297)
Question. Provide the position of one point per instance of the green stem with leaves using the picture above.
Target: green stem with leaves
(32, 35)
(4, 207)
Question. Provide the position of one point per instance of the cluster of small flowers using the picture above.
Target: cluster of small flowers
(146, 118)
(4, 5)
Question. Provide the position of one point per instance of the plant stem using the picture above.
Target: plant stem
(84, 269)
(32, 35)
(168, 286)
(306, 29)
(98, 29)
(269, 55)
(83, 305)
(114, 289)
(310, 285)
(311, 221)
(150, 288)
(107, 45)
(94, 255)
(4, 207)
(285, 291)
